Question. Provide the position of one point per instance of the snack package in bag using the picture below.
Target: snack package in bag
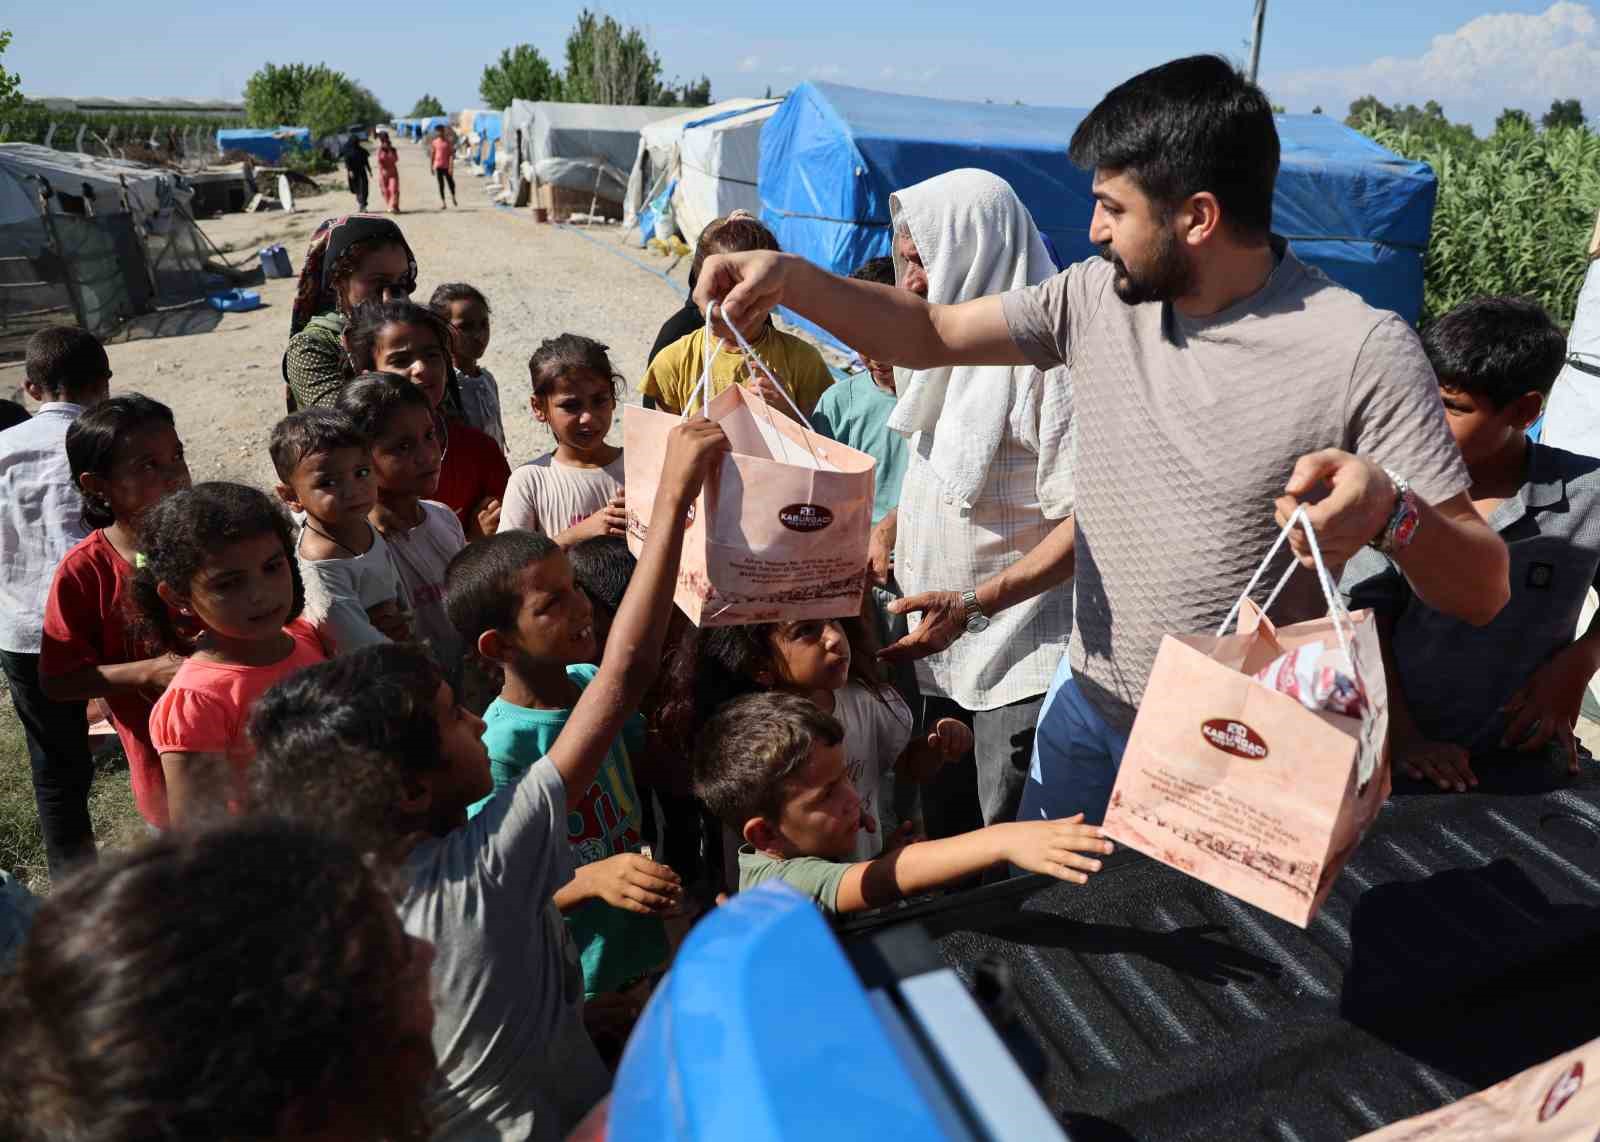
(1260, 788)
(779, 532)
(1557, 1101)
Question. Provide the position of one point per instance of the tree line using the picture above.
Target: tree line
(606, 62)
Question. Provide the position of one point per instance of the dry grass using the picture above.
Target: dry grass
(116, 822)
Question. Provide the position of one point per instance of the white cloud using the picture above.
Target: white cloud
(1503, 59)
(750, 63)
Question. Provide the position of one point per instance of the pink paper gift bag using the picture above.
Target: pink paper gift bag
(1242, 786)
(1557, 1101)
(778, 533)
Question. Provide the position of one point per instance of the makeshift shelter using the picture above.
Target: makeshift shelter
(486, 128)
(832, 155)
(655, 164)
(576, 154)
(267, 144)
(91, 240)
(719, 159)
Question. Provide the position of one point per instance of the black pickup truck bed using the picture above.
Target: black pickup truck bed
(1460, 945)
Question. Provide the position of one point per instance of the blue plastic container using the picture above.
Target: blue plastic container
(275, 262)
(235, 300)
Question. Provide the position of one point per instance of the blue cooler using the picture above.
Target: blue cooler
(275, 262)
(235, 300)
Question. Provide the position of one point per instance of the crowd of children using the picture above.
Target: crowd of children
(413, 677)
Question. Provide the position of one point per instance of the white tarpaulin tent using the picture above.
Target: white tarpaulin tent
(718, 158)
(656, 162)
(92, 239)
(586, 147)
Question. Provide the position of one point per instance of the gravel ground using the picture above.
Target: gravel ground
(222, 377)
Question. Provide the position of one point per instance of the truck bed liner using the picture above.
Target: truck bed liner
(1457, 948)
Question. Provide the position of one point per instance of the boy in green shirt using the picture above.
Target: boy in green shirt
(512, 597)
(772, 767)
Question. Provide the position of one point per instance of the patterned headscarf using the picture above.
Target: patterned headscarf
(330, 240)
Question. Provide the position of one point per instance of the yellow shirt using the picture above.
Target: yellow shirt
(675, 372)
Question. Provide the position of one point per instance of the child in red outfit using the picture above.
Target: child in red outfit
(124, 455)
(389, 172)
(444, 159)
(222, 554)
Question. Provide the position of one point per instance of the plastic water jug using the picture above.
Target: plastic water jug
(275, 262)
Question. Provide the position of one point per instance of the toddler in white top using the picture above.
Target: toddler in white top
(353, 591)
(575, 492)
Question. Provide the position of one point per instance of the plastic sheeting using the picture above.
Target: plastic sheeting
(832, 155)
(148, 191)
(265, 143)
(656, 161)
(719, 162)
(1572, 417)
(581, 146)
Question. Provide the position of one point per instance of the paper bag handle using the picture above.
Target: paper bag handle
(1343, 625)
(703, 387)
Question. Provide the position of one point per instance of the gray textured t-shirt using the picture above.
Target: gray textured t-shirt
(1188, 430)
(508, 1029)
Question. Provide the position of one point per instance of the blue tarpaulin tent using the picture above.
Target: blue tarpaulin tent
(265, 143)
(487, 126)
(832, 155)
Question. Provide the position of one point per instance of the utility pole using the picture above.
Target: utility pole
(1256, 23)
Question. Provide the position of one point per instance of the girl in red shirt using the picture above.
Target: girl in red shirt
(444, 159)
(389, 172)
(222, 555)
(405, 339)
(124, 455)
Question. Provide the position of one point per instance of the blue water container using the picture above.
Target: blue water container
(235, 300)
(275, 262)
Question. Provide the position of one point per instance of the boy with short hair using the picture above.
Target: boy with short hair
(772, 767)
(513, 599)
(1463, 696)
(375, 745)
(324, 466)
(603, 567)
(41, 519)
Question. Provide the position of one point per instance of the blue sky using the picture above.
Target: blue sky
(1474, 56)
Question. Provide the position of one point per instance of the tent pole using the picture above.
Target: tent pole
(1257, 21)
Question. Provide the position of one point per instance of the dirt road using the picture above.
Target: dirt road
(223, 382)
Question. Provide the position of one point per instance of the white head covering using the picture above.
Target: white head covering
(975, 238)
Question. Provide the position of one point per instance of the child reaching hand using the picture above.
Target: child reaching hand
(772, 767)
(410, 341)
(125, 456)
(324, 466)
(223, 556)
(467, 311)
(422, 535)
(513, 598)
(374, 746)
(575, 492)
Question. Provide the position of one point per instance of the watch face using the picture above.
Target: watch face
(977, 624)
(1406, 529)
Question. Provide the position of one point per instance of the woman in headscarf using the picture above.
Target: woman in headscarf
(988, 477)
(351, 259)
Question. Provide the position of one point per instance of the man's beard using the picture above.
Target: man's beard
(1168, 276)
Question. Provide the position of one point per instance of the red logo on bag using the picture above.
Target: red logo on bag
(1562, 1092)
(805, 517)
(1235, 738)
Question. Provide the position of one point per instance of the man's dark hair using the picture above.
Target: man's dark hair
(481, 591)
(338, 743)
(65, 360)
(1188, 126)
(880, 270)
(311, 432)
(1497, 347)
(750, 750)
(603, 567)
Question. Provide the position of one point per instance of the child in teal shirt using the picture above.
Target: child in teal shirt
(513, 598)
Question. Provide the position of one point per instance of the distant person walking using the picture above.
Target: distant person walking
(389, 172)
(358, 169)
(444, 157)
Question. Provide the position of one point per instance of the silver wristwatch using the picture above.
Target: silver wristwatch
(977, 621)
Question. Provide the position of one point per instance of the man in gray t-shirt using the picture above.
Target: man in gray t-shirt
(1214, 373)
